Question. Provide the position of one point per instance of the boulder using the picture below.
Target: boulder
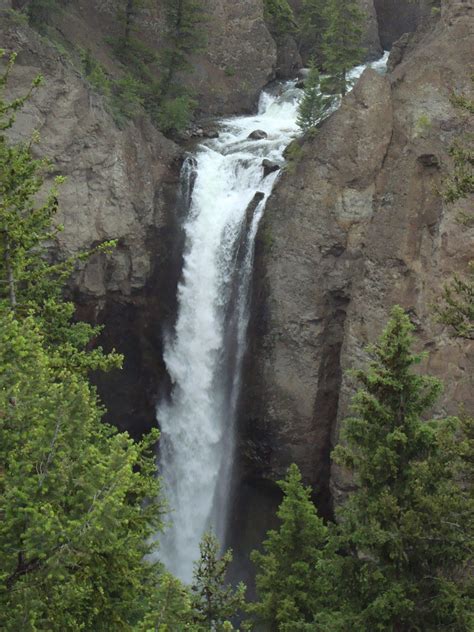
(269, 167)
(258, 134)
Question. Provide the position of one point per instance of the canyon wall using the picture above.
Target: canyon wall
(123, 184)
(354, 226)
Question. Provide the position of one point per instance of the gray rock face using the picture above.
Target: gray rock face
(115, 179)
(354, 227)
(396, 17)
(371, 39)
(240, 58)
(121, 184)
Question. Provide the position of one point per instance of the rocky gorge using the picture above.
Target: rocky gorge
(354, 225)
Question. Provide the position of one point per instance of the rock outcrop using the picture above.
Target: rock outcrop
(121, 184)
(355, 226)
(238, 59)
(396, 17)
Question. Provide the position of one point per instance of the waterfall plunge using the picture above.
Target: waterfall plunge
(204, 356)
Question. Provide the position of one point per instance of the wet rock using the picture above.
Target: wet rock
(250, 210)
(210, 132)
(269, 167)
(258, 134)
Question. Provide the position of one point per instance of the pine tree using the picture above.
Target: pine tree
(341, 43)
(311, 27)
(291, 581)
(457, 307)
(214, 601)
(29, 282)
(314, 105)
(279, 16)
(40, 12)
(184, 35)
(79, 501)
(409, 524)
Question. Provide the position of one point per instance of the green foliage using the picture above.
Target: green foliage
(314, 105)
(79, 502)
(311, 26)
(155, 80)
(185, 35)
(74, 524)
(29, 282)
(291, 581)
(127, 101)
(214, 602)
(341, 43)
(409, 524)
(95, 73)
(423, 125)
(39, 12)
(457, 307)
(175, 114)
(16, 16)
(279, 15)
(460, 184)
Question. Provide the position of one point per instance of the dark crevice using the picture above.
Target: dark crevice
(326, 403)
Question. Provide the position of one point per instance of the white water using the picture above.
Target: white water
(204, 355)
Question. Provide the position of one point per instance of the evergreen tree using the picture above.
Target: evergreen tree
(314, 105)
(214, 602)
(291, 581)
(311, 27)
(279, 17)
(29, 282)
(79, 501)
(75, 523)
(40, 12)
(460, 184)
(408, 527)
(457, 307)
(184, 35)
(341, 43)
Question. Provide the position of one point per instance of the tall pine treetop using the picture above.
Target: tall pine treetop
(290, 582)
(342, 39)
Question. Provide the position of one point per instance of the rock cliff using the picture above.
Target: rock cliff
(355, 225)
(123, 183)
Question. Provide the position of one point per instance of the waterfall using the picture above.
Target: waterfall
(226, 189)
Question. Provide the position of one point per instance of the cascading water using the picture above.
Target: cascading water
(204, 356)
